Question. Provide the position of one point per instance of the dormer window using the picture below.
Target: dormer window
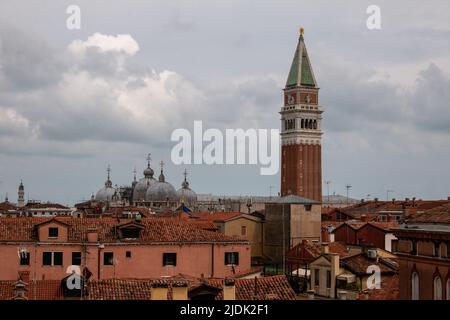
(130, 233)
(53, 232)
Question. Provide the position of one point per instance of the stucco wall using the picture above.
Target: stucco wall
(146, 261)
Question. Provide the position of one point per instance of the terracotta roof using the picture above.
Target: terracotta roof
(390, 290)
(397, 205)
(248, 272)
(36, 290)
(5, 206)
(309, 251)
(335, 224)
(115, 289)
(275, 287)
(264, 288)
(215, 216)
(154, 230)
(359, 263)
(356, 225)
(439, 214)
(202, 224)
(32, 205)
(387, 226)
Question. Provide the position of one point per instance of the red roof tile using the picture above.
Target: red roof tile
(154, 230)
(36, 290)
(216, 216)
(439, 214)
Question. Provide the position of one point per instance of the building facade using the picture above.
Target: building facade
(288, 221)
(423, 251)
(113, 248)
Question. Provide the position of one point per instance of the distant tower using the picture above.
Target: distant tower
(21, 195)
(301, 116)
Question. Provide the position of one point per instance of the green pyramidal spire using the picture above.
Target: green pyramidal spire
(301, 73)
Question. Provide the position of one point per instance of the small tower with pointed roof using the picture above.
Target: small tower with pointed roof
(301, 135)
(21, 195)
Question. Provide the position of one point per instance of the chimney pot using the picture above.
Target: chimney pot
(229, 289)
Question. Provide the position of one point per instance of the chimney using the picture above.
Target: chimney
(376, 200)
(325, 248)
(342, 295)
(448, 198)
(92, 236)
(334, 261)
(393, 200)
(229, 289)
(331, 237)
(180, 290)
(413, 201)
(365, 294)
(159, 291)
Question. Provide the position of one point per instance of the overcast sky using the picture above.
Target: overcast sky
(74, 101)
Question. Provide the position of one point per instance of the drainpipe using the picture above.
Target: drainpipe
(212, 260)
(100, 247)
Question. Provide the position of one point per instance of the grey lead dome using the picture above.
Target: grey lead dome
(161, 191)
(140, 190)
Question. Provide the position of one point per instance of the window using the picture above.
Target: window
(57, 258)
(231, 258)
(437, 288)
(243, 230)
(47, 258)
(53, 232)
(308, 207)
(128, 254)
(24, 258)
(448, 289)
(169, 259)
(130, 233)
(316, 277)
(52, 258)
(76, 258)
(415, 286)
(328, 279)
(108, 258)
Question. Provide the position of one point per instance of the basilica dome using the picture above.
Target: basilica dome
(161, 191)
(108, 192)
(185, 194)
(142, 186)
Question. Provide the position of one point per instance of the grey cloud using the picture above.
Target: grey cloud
(26, 61)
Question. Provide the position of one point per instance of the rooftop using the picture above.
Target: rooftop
(274, 287)
(154, 230)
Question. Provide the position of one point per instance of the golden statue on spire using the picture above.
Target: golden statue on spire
(302, 31)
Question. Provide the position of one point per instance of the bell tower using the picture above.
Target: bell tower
(301, 135)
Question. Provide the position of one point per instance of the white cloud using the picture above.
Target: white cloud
(123, 43)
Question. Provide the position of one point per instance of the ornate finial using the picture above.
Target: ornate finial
(302, 31)
(185, 174)
(161, 176)
(108, 169)
(6, 197)
(134, 173)
(149, 158)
